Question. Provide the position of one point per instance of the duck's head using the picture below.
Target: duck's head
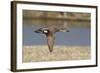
(42, 30)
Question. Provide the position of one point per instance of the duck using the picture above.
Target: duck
(50, 32)
(50, 35)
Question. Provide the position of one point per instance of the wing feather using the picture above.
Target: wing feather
(50, 42)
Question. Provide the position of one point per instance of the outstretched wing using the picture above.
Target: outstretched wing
(50, 42)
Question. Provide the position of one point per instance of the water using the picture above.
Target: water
(76, 36)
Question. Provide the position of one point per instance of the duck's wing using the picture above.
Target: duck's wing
(65, 27)
(50, 42)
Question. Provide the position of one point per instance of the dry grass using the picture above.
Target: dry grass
(41, 53)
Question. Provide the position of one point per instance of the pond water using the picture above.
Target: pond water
(76, 36)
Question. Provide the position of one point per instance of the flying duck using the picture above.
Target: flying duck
(49, 32)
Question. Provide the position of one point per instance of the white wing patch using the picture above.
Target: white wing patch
(45, 31)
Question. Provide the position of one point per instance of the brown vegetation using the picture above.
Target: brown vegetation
(60, 53)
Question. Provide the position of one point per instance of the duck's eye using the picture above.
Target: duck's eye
(45, 31)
